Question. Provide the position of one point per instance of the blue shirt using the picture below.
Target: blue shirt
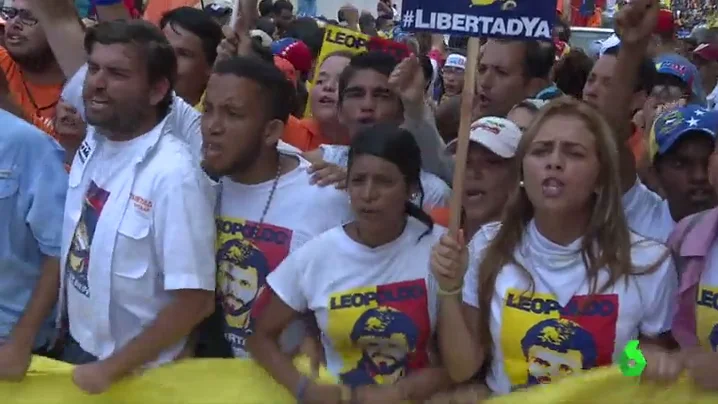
(33, 183)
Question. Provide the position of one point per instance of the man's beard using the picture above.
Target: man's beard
(241, 164)
(121, 121)
(35, 61)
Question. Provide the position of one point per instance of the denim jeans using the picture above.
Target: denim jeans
(73, 353)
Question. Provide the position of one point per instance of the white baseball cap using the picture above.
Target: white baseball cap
(608, 43)
(455, 60)
(499, 135)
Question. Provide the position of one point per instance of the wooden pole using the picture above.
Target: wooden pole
(462, 147)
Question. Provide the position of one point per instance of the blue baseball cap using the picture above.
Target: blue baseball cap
(672, 125)
(680, 67)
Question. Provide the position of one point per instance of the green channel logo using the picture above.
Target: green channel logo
(632, 362)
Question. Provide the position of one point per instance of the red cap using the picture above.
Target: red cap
(290, 72)
(666, 24)
(707, 52)
(295, 51)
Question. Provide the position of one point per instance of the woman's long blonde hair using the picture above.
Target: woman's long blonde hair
(606, 243)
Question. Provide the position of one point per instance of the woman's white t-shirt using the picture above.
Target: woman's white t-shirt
(647, 213)
(561, 329)
(376, 307)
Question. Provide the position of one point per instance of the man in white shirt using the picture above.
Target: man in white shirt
(267, 207)
(138, 237)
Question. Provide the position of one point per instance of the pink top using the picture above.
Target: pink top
(691, 242)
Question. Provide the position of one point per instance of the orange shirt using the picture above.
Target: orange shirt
(156, 8)
(37, 101)
(441, 216)
(304, 134)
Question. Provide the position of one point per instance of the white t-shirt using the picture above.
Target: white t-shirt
(561, 329)
(376, 307)
(707, 303)
(436, 192)
(647, 213)
(297, 213)
(138, 225)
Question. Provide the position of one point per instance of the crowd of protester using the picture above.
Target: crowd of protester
(196, 187)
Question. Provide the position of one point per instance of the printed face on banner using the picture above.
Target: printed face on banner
(520, 19)
(242, 269)
(707, 316)
(543, 342)
(381, 333)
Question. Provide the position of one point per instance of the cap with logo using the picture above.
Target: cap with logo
(455, 60)
(680, 67)
(672, 125)
(295, 51)
(499, 135)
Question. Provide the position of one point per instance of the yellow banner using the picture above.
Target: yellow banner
(608, 385)
(337, 39)
(200, 381)
(237, 381)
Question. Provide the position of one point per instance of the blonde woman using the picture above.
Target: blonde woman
(562, 285)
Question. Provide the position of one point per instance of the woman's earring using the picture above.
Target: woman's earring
(415, 195)
(521, 184)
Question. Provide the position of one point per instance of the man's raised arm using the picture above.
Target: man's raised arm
(64, 32)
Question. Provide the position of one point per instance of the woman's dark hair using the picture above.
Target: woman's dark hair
(397, 146)
(428, 69)
(572, 71)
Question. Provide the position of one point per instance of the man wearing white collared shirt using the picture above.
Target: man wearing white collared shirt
(138, 239)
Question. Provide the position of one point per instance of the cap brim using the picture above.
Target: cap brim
(487, 142)
(669, 143)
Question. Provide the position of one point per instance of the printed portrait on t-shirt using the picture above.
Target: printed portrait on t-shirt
(381, 333)
(543, 342)
(555, 348)
(78, 259)
(243, 264)
(707, 316)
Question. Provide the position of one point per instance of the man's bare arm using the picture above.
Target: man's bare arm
(64, 32)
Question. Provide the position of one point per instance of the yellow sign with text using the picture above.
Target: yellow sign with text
(336, 40)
